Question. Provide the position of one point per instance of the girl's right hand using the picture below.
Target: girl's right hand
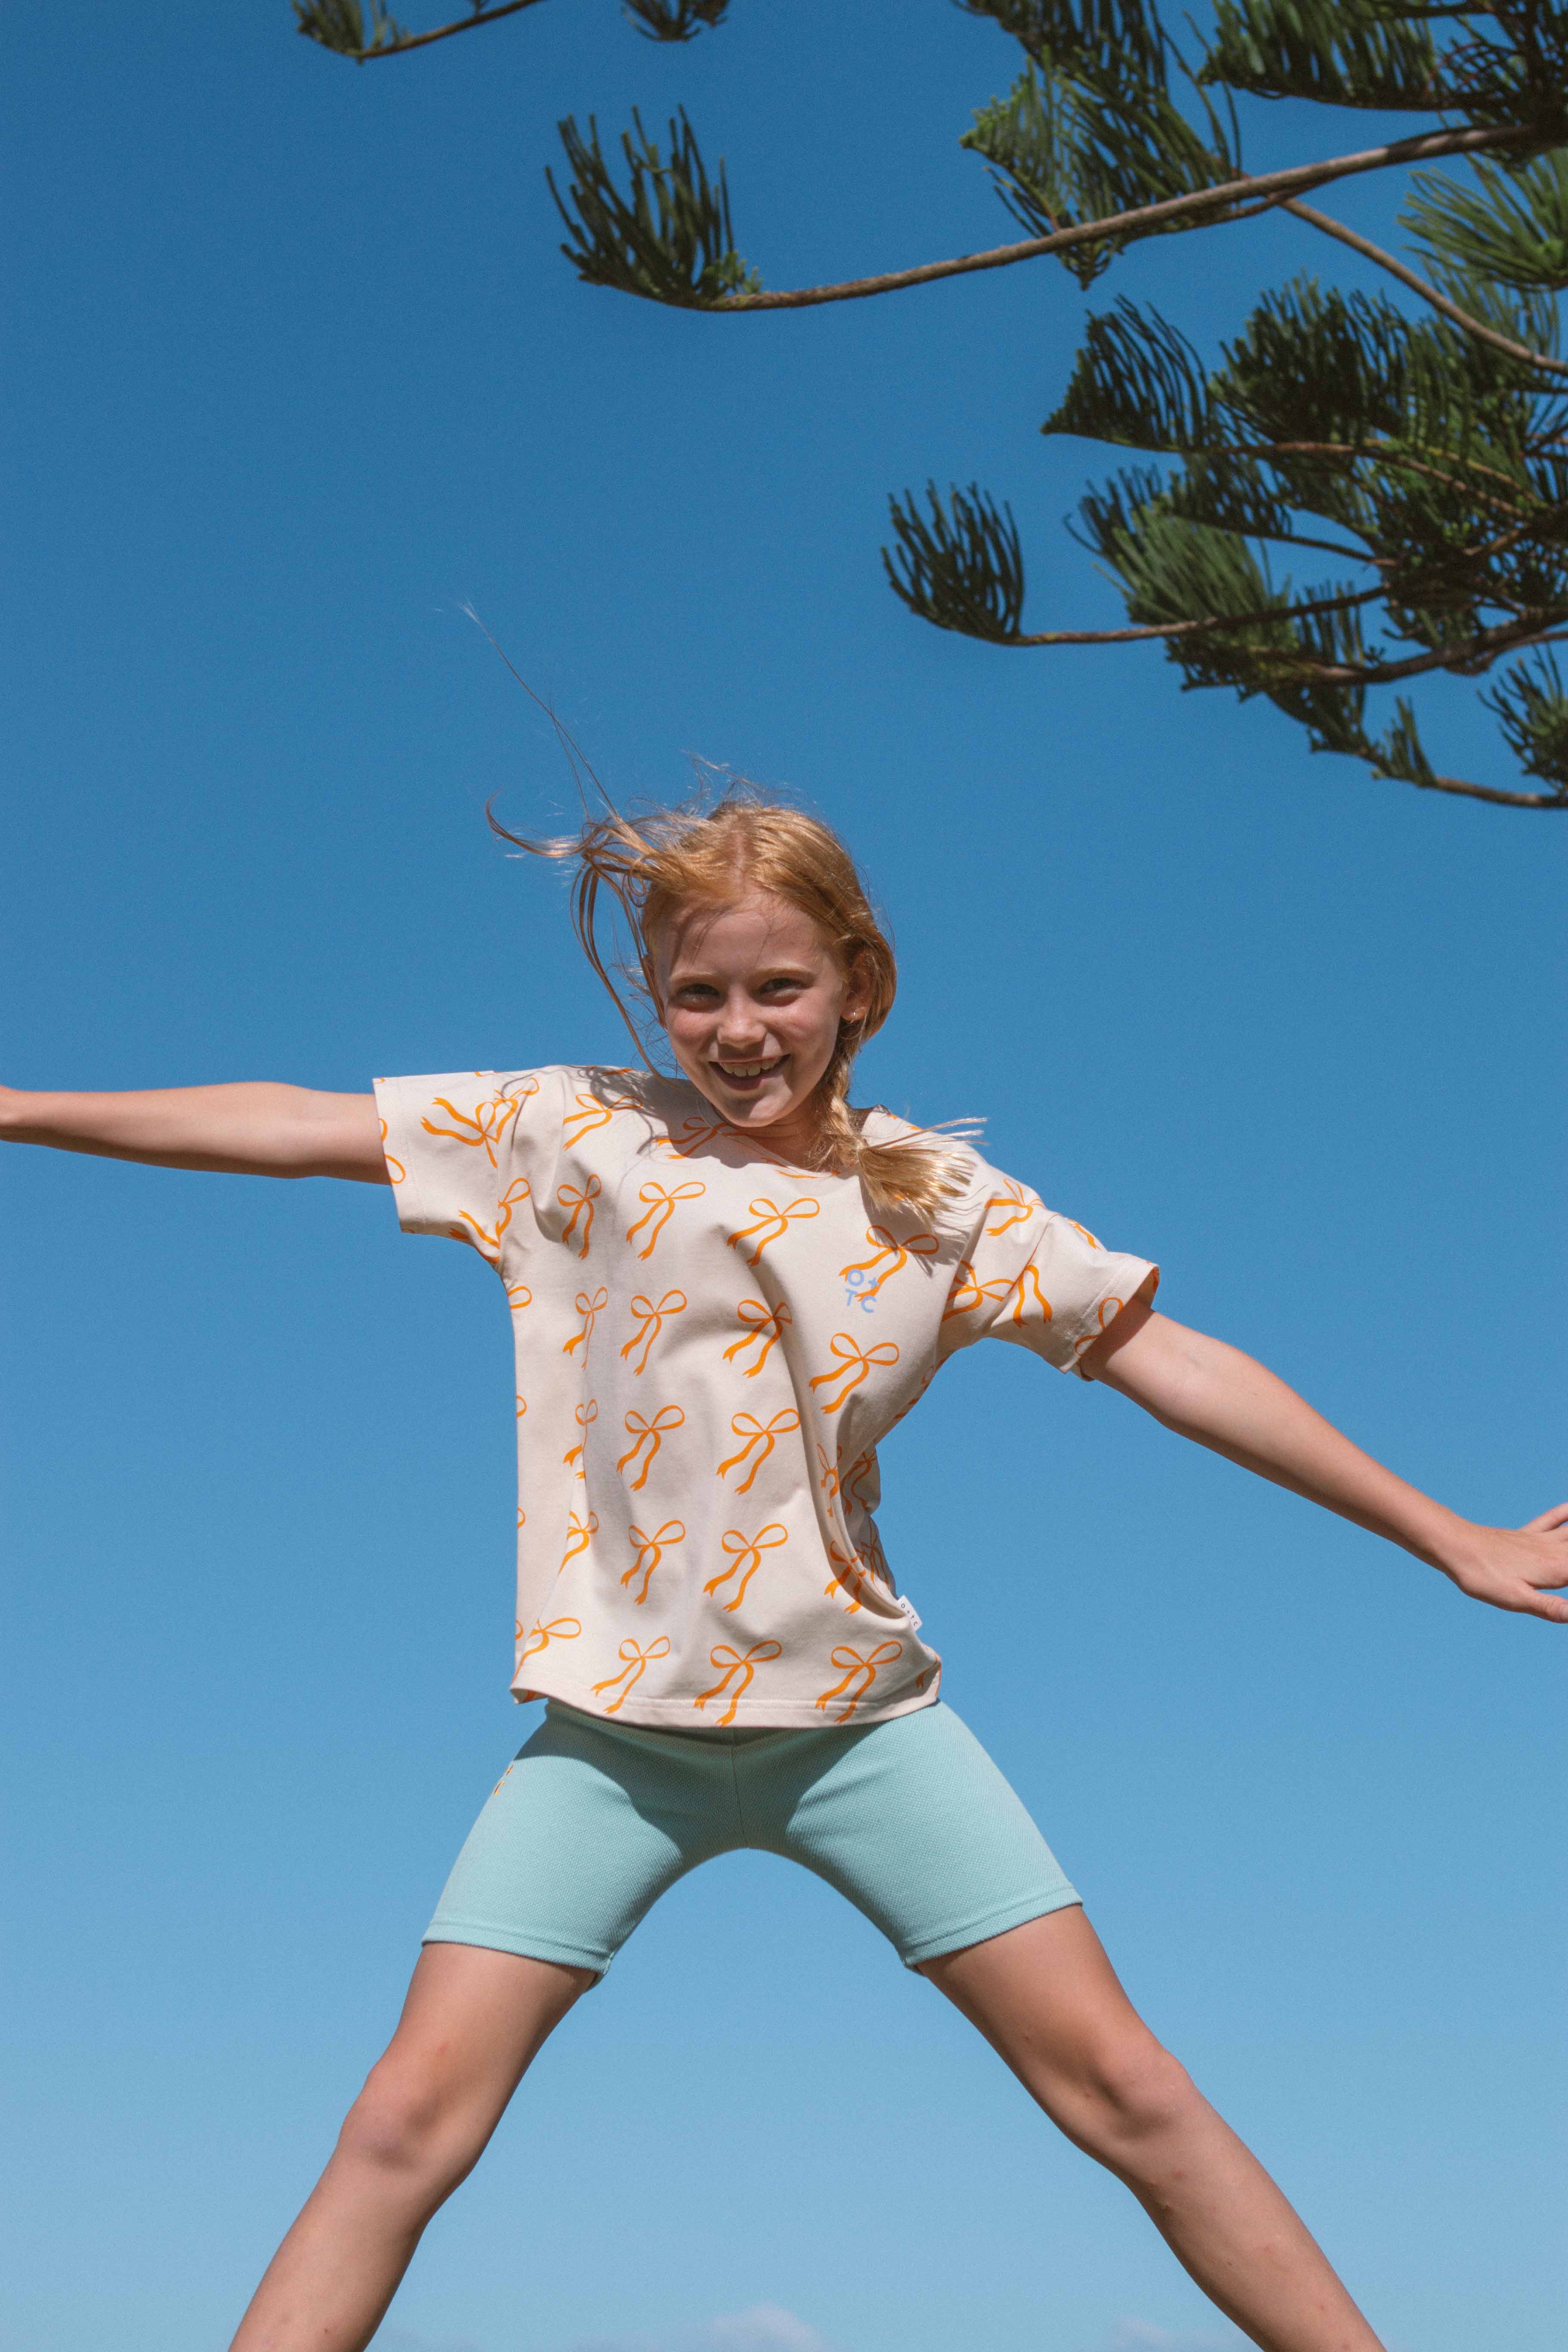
(252, 1129)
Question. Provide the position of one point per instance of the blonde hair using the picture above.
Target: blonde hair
(697, 854)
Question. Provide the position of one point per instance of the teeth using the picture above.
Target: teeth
(746, 1069)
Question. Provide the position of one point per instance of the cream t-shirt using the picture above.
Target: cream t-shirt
(710, 1345)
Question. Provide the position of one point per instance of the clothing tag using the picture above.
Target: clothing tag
(911, 1613)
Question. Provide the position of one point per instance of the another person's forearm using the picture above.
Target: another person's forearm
(1226, 1400)
(260, 1128)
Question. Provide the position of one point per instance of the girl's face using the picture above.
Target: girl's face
(751, 997)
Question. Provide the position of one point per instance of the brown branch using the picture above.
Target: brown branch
(1193, 628)
(1507, 638)
(1396, 268)
(1181, 210)
(1481, 792)
(441, 33)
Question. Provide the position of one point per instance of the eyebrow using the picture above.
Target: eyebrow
(682, 974)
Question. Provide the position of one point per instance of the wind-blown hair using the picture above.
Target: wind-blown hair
(693, 855)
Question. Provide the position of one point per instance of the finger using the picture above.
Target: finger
(1545, 1606)
(1544, 1525)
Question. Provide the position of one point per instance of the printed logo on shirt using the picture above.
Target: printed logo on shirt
(866, 1277)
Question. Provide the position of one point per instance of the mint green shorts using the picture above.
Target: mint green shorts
(593, 1820)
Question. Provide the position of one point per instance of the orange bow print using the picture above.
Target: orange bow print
(395, 1168)
(580, 1534)
(1027, 1288)
(637, 1661)
(1090, 1238)
(521, 1404)
(854, 1365)
(867, 1663)
(518, 1296)
(860, 1477)
(651, 1434)
(560, 1629)
(1109, 1308)
(745, 1559)
(659, 1207)
(828, 1468)
(732, 1665)
(1015, 1205)
(589, 1114)
(892, 1258)
(650, 1550)
(588, 1309)
(967, 1294)
(580, 1204)
(771, 1221)
(848, 1580)
(764, 1324)
(575, 1458)
(694, 1134)
(652, 1319)
(756, 1434)
(486, 1242)
(482, 1131)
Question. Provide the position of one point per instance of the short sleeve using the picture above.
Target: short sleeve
(1039, 1280)
(458, 1152)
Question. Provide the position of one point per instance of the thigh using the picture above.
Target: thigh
(588, 1826)
(472, 2023)
(913, 1821)
(1047, 2000)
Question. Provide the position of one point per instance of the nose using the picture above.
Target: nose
(740, 1023)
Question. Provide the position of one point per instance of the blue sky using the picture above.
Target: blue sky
(295, 370)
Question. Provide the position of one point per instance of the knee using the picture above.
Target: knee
(1128, 2096)
(407, 2125)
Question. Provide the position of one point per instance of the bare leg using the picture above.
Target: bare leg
(1046, 1998)
(470, 2026)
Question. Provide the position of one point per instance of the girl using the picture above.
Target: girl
(725, 1289)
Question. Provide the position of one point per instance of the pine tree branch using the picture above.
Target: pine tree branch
(1396, 459)
(1434, 783)
(1269, 187)
(393, 49)
(1396, 268)
(1478, 652)
(1210, 621)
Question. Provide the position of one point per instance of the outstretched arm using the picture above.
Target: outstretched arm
(1205, 1389)
(259, 1129)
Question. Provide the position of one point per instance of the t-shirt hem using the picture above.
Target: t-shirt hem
(780, 1715)
(1093, 1329)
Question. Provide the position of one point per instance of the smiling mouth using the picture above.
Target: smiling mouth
(748, 1074)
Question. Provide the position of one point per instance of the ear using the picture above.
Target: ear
(857, 992)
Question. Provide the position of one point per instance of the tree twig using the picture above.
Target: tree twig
(1193, 628)
(1273, 185)
(1507, 638)
(441, 32)
(1480, 791)
(1396, 268)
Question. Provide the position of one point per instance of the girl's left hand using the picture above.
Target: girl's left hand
(1516, 1568)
